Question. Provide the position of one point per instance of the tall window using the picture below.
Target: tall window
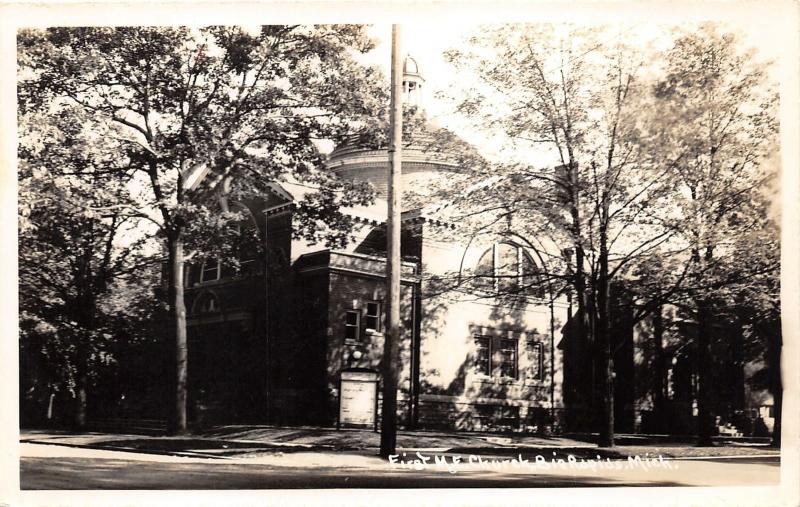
(535, 360)
(373, 316)
(483, 361)
(506, 357)
(246, 239)
(506, 268)
(352, 325)
(210, 270)
(495, 356)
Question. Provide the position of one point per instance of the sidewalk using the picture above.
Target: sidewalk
(247, 442)
(260, 457)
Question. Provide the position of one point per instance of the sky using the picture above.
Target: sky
(427, 40)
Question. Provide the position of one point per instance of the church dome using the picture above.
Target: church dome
(429, 152)
(411, 68)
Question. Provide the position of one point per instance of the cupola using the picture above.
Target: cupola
(412, 83)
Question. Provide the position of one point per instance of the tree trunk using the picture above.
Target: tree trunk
(81, 402)
(585, 327)
(586, 381)
(603, 331)
(86, 303)
(659, 375)
(581, 327)
(81, 379)
(705, 414)
(178, 424)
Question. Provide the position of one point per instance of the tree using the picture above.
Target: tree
(720, 107)
(755, 302)
(576, 100)
(189, 114)
(70, 258)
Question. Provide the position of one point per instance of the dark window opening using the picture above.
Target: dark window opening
(373, 316)
(207, 304)
(507, 358)
(483, 364)
(210, 270)
(535, 360)
(496, 355)
(352, 325)
(246, 241)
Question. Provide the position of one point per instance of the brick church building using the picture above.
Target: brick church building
(279, 341)
(271, 343)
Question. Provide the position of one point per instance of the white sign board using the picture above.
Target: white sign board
(357, 399)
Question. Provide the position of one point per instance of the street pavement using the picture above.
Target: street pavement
(91, 462)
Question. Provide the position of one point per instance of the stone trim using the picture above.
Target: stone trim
(467, 400)
(220, 317)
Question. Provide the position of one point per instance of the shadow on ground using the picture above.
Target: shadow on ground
(548, 453)
(190, 447)
(366, 439)
(123, 474)
(253, 440)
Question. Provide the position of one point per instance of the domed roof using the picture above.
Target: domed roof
(421, 138)
(428, 150)
(411, 68)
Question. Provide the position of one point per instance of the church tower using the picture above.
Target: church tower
(425, 156)
(412, 83)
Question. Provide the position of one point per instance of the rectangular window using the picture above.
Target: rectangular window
(373, 316)
(507, 358)
(535, 361)
(209, 271)
(496, 355)
(483, 363)
(352, 325)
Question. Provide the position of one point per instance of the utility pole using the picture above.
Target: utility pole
(391, 343)
(267, 330)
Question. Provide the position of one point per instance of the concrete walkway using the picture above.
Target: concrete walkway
(63, 467)
(228, 442)
(260, 457)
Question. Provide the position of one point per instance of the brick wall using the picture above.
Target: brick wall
(454, 393)
(350, 291)
(299, 352)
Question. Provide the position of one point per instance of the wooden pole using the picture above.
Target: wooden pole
(391, 343)
(179, 424)
(267, 330)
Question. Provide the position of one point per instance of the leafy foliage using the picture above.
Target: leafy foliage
(170, 103)
(179, 118)
(623, 166)
(72, 260)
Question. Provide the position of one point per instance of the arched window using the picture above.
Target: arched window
(246, 237)
(484, 270)
(506, 268)
(239, 239)
(206, 303)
